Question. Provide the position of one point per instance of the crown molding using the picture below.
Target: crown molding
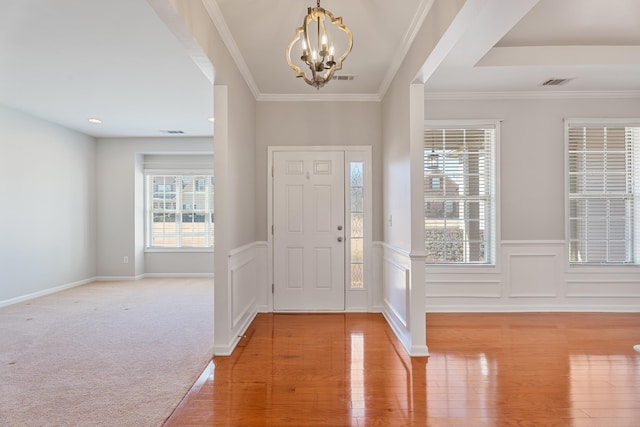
(319, 97)
(467, 96)
(221, 25)
(412, 31)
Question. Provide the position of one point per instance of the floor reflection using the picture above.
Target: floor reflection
(484, 370)
(356, 375)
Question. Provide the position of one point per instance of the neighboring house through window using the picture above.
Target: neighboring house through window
(459, 193)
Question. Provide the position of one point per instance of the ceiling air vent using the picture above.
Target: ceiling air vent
(555, 82)
(344, 77)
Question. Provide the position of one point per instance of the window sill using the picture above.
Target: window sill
(179, 250)
(610, 268)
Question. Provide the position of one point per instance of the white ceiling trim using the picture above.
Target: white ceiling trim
(460, 96)
(561, 55)
(176, 25)
(320, 97)
(418, 19)
(221, 24)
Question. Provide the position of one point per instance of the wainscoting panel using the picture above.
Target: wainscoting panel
(478, 288)
(396, 273)
(603, 288)
(396, 293)
(242, 278)
(532, 275)
(243, 289)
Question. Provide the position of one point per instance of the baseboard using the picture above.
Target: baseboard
(226, 350)
(179, 275)
(42, 293)
(533, 309)
(118, 278)
(399, 329)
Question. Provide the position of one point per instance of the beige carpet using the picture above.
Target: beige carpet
(104, 354)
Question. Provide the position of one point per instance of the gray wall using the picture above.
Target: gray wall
(532, 181)
(47, 220)
(317, 124)
(120, 208)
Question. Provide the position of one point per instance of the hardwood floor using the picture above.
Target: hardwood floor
(524, 369)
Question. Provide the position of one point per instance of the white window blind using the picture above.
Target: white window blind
(604, 168)
(459, 195)
(180, 211)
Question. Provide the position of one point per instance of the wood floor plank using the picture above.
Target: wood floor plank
(485, 369)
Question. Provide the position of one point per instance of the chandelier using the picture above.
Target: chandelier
(318, 52)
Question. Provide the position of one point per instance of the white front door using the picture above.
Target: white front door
(308, 234)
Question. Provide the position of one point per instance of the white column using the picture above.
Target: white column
(417, 318)
(222, 299)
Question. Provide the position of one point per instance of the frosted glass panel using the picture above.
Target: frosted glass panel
(356, 174)
(357, 278)
(356, 226)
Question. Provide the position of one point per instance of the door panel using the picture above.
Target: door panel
(308, 219)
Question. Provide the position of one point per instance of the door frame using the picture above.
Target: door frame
(355, 300)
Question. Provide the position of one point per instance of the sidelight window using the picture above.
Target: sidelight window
(356, 229)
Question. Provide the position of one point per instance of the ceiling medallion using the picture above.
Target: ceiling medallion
(317, 50)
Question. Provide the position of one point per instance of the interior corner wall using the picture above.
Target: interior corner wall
(119, 207)
(338, 124)
(49, 208)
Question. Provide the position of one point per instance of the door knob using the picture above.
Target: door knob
(339, 228)
(340, 239)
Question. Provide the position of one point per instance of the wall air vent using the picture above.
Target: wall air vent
(555, 82)
(344, 77)
(173, 132)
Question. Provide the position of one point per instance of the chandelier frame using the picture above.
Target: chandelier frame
(323, 65)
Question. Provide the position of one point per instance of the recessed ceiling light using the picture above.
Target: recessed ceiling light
(211, 119)
(95, 121)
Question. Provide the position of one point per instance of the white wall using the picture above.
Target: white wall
(533, 272)
(47, 220)
(120, 208)
(401, 110)
(235, 186)
(298, 124)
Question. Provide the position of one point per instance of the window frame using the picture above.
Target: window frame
(635, 162)
(149, 212)
(494, 234)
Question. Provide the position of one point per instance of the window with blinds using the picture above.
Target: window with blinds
(604, 190)
(459, 195)
(180, 211)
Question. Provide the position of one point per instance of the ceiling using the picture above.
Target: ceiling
(69, 60)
